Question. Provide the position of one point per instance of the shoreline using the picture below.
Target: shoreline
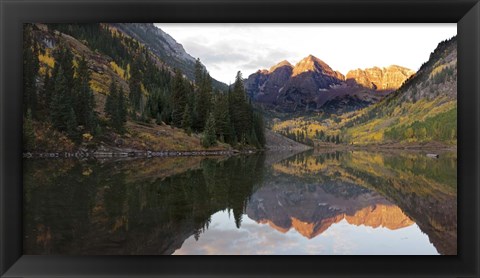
(430, 146)
(118, 152)
(134, 153)
(125, 153)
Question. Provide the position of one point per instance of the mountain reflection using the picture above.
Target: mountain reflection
(311, 191)
(165, 205)
(312, 210)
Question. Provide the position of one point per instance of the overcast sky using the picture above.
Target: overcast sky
(226, 48)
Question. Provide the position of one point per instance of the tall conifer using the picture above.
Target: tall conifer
(179, 98)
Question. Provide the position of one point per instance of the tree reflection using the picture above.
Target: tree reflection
(114, 211)
(151, 206)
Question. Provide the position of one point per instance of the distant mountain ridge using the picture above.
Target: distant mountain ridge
(389, 78)
(312, 85)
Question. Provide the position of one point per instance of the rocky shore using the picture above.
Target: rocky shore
(104, 152)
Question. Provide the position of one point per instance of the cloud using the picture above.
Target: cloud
(227, 48)
(267, 59)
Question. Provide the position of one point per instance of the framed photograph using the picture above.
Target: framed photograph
(307, 138)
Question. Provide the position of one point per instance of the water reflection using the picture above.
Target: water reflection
(309, 203)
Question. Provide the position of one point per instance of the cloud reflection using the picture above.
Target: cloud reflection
(223, 238)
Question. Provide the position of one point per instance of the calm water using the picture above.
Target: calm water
(274, 203)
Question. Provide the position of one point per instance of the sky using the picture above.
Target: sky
(227, 48)
(223, 238)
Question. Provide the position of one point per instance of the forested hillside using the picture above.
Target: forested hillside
(89, 85)
(424, 109)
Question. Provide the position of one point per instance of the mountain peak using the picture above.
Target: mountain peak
(281, 64)
(314, 64)
(311, 58)
(311, 63)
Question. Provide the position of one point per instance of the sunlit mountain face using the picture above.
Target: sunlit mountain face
(312, 85)
(312, 214)
(333, 203)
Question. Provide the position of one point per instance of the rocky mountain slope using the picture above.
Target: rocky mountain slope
(277, 142)
(424, 109)
(312, 85)
(164, 46)
(385, 79)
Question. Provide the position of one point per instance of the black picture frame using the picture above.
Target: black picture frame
(466, 13)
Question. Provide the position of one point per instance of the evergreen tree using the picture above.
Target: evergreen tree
(30, 71)
(111, 102)
(134, 84)
(71, 125)
(84, 98)
(115, 108)
(46, 93)
(203, 102)
(122, 110)
(209, 137)
(259, 128)
(154, 102)
(252, 139)
(198, 72)
(187, 120)
(64, 59)
(179, 98)
(61, 105)
(240, 109)
(224, 128)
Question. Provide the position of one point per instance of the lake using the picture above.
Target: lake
(337, 203)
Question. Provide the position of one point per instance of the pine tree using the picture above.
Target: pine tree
(30, 71)
(134, 84)
(115, 108)
(223, 124)
(122, 110)
(179, 98)
(187, 120)
(209, 137)
(111, 102)
(259, 128)
(84, 98)
(203, 102)
(240, 109)
(64, 59)
(46, 92)
(61, 103)
(252, 139)
(198, 72)
(71, 125)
